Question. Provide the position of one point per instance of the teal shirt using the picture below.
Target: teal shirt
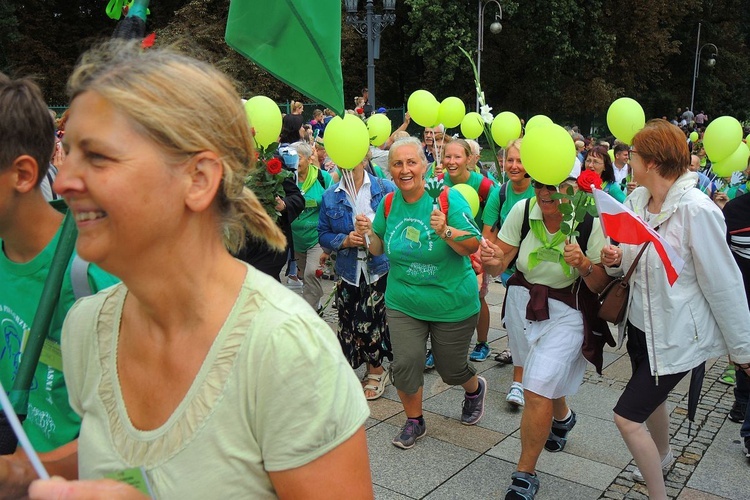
(428, 280)
(50, 422)
(305, 226)
(475, 180)
(493, 209)
(615, 191)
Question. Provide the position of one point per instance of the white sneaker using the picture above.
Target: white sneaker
(666, 464)
(293, 282)
(515, 395)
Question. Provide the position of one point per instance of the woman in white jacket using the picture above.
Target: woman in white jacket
(671, 329)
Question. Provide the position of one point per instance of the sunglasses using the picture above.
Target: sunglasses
(539, 185)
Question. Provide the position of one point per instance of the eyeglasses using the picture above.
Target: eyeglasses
(594, 161)
(539, 185)
(632, 152)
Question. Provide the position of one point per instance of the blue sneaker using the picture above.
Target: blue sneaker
(481, 352)
(429, 362)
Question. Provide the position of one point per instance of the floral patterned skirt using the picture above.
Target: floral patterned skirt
(363, 328)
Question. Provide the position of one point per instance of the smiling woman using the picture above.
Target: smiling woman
(428, 252)
(182, 364)
(545, 336)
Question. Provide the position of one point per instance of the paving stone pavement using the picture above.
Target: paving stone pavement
(456, 461)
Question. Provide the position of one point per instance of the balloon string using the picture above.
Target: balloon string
(350, 189)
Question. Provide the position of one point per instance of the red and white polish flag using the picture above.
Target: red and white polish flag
(623, 225)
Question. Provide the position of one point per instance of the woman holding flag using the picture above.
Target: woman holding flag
(686, 303)
(431, 287)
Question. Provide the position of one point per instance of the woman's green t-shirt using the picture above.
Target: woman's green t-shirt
(428, 280)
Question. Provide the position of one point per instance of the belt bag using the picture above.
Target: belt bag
(613, 301)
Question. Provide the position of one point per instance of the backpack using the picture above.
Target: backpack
(442, 201)
(584, 230)
(484, 189)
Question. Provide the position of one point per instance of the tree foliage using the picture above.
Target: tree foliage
(568, 59)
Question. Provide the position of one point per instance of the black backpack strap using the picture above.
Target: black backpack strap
(321, 179)
(525, 228)
(584, 230)
(502, 194)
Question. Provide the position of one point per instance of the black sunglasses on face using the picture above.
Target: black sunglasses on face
(539, 185)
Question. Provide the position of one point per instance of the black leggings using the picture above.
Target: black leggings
(641, 395)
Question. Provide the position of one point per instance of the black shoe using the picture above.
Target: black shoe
(737, 413)
(746, 448)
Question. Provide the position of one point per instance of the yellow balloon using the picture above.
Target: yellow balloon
(472, 125)
(733, 163)
(265, 118)
(625, 117)
(538, 120)
(423, 108)
(471, 196)
(379, 128)
(347, 141)
(505, 127)
(721, 138)
(451, 112)
(548, 154)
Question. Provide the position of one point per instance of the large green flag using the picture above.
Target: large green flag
(297, 41)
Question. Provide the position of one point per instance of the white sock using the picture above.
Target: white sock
(570, 413)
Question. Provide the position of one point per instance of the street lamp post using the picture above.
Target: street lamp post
(696, 68)
(495, 28)
(370, 28)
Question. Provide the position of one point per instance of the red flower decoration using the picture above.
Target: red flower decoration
(318, 273)
(587, 178)
(274, 166)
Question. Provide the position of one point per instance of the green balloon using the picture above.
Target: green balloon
(733, 163)
(347, 141)
(265, 118)
(538, 120)
(423, 108)
(451, 111)
(505, 127)
(625, 117)
(548, 153)
(611, 154)
(471, 196)
(722, 137)
(693, 136)
(379, 129)
(472, 125)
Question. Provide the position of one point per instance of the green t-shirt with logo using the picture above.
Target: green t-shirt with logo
(428, 280)
(305, 226)
(50, 422)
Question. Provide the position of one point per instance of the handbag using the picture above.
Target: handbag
(613, 300)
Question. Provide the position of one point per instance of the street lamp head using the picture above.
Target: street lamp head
(351, 6)
(389, 4)
(496, 28)
(712, 61)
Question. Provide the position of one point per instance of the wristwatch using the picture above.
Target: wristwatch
(448, 233)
